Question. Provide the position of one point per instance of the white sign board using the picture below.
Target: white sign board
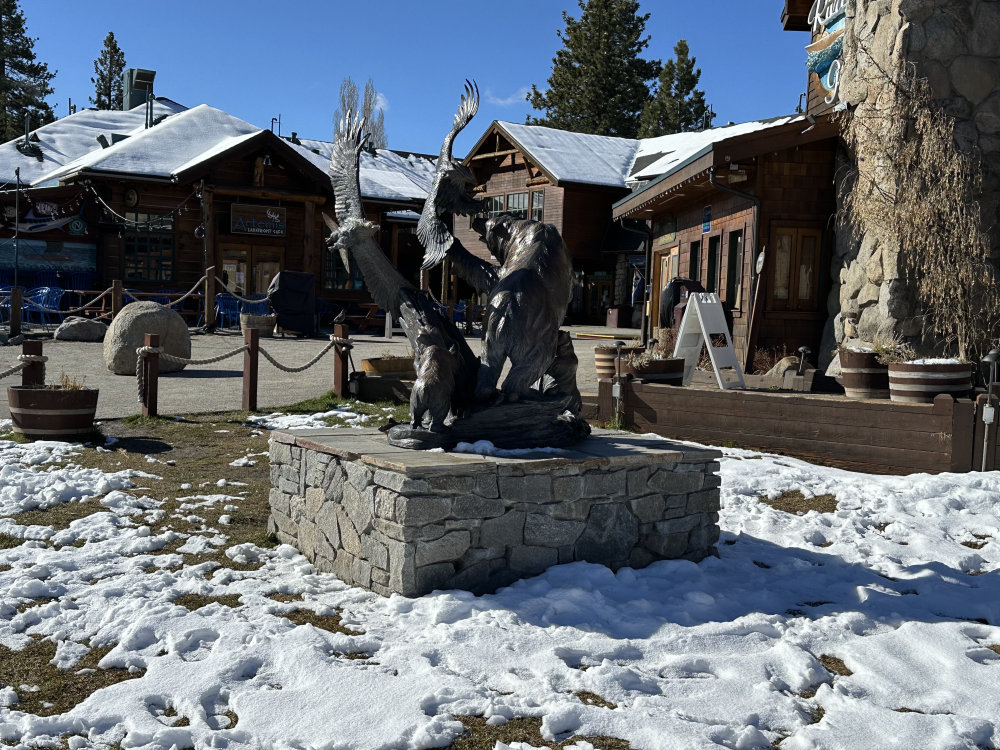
(703, 320)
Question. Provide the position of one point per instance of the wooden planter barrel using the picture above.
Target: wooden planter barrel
(919, 383)
(263, 323)
(668, 371)
(604, 360)
(52, 413)
(401, 367)
(863, 376)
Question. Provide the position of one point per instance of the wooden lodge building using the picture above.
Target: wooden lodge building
(155, 194)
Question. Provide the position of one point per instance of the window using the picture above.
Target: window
(335, 276)
(493, 206)
(694, 258)
(517, 204)
(149, 247)
(796, 269)
(734, 270)
(537, 198)
(714, 243)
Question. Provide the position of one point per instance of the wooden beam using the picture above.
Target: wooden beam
(543, 180)
(268, 194)
(494, 154)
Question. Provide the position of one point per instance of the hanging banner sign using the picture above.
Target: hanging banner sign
(265, 221)
(828, 21)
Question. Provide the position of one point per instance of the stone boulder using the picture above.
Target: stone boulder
(127, 333)
(80, 329)
(785, 364)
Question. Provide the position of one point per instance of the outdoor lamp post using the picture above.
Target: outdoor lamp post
(989, 411)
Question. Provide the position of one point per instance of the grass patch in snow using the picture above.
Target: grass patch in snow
(58, 690)
(479, 735)
(191, 456)
(284, 598)
(197, 601)
(332, 623)
(58, 516)
(793, 501)
(593, 699)
(979, 542)
(384, 410)
(834, 665)
(9, 542)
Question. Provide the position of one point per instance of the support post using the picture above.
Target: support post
(251, 337)
(16, 300)
(150, 376)
(210, 298)
(34, 373)
(341, 353)
(116, 297)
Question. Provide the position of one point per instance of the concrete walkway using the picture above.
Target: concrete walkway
(218, 387)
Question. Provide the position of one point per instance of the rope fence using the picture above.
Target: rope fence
(229, 291)
(30, 363)
(148, 357)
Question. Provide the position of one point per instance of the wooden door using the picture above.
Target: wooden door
(795, 269)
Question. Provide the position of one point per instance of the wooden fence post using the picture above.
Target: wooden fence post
(150, 376)
(16, 300)
(341, 353)
(210, 297)
(251, 337)
(116, 297)
(34, 373)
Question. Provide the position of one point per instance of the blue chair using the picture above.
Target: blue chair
(458, 314)
(5, 302)
(47, 297)
(227, 310)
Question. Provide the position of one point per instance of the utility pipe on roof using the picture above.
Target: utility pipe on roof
(756, 225)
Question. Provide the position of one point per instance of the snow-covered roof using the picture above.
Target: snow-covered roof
(574, 157)
(67, 139)
(385, 175)
(663, 154)
(178, 143)
(620, 162)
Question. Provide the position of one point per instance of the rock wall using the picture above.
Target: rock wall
(409, 522)
(955, 44)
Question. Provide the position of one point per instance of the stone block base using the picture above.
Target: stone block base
(403, 521)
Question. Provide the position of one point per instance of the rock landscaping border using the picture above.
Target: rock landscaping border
(399, 521)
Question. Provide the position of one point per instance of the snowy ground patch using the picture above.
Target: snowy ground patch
(870, 626)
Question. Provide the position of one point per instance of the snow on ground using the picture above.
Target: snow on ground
(900, 584)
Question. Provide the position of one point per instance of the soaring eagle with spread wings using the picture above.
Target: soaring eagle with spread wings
(452, 188)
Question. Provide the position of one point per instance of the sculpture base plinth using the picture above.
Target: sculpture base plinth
(534, 423)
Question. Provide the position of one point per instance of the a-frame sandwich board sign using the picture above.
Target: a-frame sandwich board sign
(703, 319)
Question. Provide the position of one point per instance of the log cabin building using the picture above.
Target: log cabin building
(156, 194)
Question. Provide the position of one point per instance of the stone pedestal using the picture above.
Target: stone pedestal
(396, 520)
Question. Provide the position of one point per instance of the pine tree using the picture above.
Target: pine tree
(374, 117)
(24, 82)
(678, 106)
(599, 83)
(107, 80)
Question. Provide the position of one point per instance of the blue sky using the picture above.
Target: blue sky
(258, 60)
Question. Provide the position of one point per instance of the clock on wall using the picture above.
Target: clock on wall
(131, 198)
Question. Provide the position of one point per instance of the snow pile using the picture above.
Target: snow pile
(900, 584)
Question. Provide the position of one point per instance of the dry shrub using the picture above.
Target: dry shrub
(765, 359)
(920, 193)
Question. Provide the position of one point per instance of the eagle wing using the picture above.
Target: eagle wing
(447, 194)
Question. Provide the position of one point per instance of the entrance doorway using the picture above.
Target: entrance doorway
(248, 269)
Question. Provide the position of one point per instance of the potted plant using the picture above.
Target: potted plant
(651, 365)
(605, 358)
(53, 412)
(863, 373)
(915, 380)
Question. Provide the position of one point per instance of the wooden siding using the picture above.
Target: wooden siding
(873, 436)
